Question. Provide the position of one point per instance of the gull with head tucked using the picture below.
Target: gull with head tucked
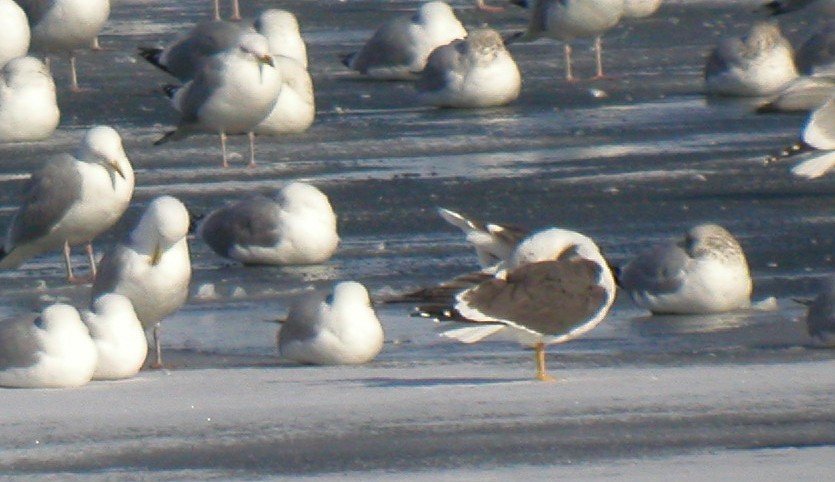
(153, 268)
(14, 31)
(118, 336)
(28, 105)
(71, 200)
(555, 287)
(338, 327)
(52, 349)
(705, 272)
(399, 48)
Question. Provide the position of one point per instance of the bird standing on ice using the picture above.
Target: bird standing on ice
(335, 328)
(555, 287)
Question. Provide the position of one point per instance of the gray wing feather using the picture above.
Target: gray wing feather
(110, 272)
(657, 271)
(302, 320)
(186, 57)
(442, 61)
(47, 196)
(35, 9)
(18, 346)
(389, 46)
(250, 222)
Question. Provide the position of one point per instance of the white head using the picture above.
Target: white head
(435, 11)
(281, 28)
(256, 45)
(23, 70)
(299, 196)
(103, 145)
(60, 318)
(350, 293)
(164, 223)
(550, 244)
(113, 305)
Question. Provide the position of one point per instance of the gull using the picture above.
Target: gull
(493, 243)
(567, 20)
(555, 287)
(640, 8)
(473, 72)
(232, 93)
(757, 64)
(118, 337)
(820, 317)
(816, 56)
(297, 227)
(51, 349)
(65, 26)
(705, 272)
(817, 140)
(152, 269)
(14, 31)
(184, 57)
(399, 48)
(295, 109)
(803, 94)
(338, 327)
(71, 200)
(28, 105)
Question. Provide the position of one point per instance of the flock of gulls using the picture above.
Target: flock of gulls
(250, 77)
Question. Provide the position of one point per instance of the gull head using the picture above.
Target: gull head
(103, 145)
(349, 293)
(164, 223)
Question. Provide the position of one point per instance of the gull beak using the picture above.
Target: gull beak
(263, 60)
(156, 256)
(115, 166)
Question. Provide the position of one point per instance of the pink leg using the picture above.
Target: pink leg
(569, 74)
(217, 10)
(91, 256)
(73, 76)
(598, 56)
(251, 136)
(223, 148)
(236, 10)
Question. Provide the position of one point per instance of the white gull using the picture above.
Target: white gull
(118, 335)
(28, 105)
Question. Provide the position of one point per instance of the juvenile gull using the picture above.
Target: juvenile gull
(118, 336)
(817, 140)
(64, 26)
(757, 64)
(705, 272)
(399, 48)
(820, 317)
(14, 31)
(493, 243)
(473, 72)
(297, 227)
(338, 327)
(555, 287)
(28, 105)
(153, 268)
(232, 93)
(567, 20)
(48, 350)
(71, 200)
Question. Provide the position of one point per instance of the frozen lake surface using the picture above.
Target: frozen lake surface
(736, 396)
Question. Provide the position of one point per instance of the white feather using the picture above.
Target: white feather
(815, 166)
(473, 334)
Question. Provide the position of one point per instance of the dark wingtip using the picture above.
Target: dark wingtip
(165, 138)
(797, 148)
(152, 55)
(170, 89)
(520, 3)
(346, 59)
(509, 39)
(773, 8)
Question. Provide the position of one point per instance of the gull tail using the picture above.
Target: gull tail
(514, 37)
(169, 136)
(795, 149)
(153, 56)
(473, 334)
(815, 166)
(459, 221)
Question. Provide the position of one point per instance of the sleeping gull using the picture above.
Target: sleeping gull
(153, 268)
(50, 350)
(567, 20)
(295, 108)
(71, 200)
(65, 26)
(118, 336)
(233, 92)
(820, 317)
(28, 105)
(332, 328)
(706, 272)
(14, 31)
(555, 287)
(399, 48)
(473, 72)
(298, 227)
(493, 243)
(817, 140)
(759, 63)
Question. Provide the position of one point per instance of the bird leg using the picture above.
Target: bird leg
(217, 10)
(569, 75)
(598, 57)
(539, 353)
(73, 76)
(223, 148)
(157, 365)
(68, 265)
(236, 10)
(95, 46)
(91, 256)
(251, 136)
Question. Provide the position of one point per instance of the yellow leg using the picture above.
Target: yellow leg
(539, 352)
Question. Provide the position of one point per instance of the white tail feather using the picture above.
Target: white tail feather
(472, 334)
(815, 166)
